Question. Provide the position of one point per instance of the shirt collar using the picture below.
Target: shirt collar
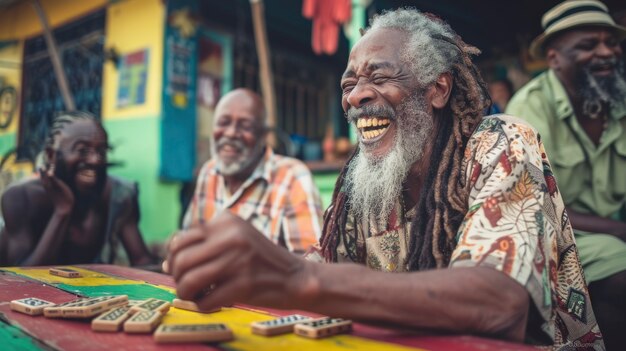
(564, 107)
(264, 169)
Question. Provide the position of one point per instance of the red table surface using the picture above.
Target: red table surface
(72, 335)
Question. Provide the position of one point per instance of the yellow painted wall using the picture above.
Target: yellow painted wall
(11, 75)
(20, 20)
(132, 26)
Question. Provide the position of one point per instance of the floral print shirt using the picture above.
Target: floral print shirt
(517, 224)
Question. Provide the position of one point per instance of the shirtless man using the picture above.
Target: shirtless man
(73, 212)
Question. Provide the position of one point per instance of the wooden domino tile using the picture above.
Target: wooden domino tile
(132, 303)
(65, 272)
(161, 306)
(30, 305)
(112, 320)
(57, 310)
(93, 306)
(143, 322)
(214, 332)
(277, 326)
(191, 306)
(322, 327)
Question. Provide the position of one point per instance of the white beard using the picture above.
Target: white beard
(248, 156)
(374, 185)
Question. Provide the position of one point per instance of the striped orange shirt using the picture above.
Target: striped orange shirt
(279, 199)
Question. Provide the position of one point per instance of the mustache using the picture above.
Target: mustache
(237, 144)
(599, 63)
(370, 110)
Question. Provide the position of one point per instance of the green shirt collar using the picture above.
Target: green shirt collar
(563, 106)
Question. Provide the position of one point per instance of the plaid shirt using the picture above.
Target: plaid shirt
(279, 199)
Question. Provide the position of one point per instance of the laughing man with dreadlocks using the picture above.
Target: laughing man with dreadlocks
(433, 185)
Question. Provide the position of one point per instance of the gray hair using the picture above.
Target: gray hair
(431, 48)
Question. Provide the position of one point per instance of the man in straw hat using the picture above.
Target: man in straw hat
(579, 108)
(442, 220)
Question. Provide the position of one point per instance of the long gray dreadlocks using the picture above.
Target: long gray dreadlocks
(432, 49)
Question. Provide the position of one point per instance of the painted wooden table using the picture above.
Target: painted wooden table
(22, 332)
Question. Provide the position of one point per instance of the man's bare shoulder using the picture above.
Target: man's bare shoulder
(23, 198)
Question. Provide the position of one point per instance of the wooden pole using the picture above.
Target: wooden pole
(54, 56)
(265, 64)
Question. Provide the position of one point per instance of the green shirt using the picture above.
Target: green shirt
(592, 179)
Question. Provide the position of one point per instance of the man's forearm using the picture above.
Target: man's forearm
(461, 300)
(47, 249)
(596, 224)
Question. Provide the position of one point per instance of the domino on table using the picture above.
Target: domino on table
(143, 322)
(112, 320)
(161, 306)
(322, 327)
(279, 325)
(65, 272)
(93, 306)
(191, 306)
(214, 332)
(30, 305)
(57, 310)
(132, 303)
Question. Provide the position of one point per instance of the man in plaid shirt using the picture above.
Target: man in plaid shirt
(274, 193)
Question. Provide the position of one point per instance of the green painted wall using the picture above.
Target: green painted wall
(136, 145)
(325, 182)
(7, 142)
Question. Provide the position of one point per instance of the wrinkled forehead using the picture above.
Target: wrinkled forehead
(83, 130)
(376, 46)
(241, 105)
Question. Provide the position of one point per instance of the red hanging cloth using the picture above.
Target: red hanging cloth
(327, 16)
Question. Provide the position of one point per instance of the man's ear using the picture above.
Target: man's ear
(264, 134)
(439, 92)
(552, 57)
(50, 156)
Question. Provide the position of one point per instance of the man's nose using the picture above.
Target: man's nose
(231, 130)
(604, 50)
(360, 95)
(94, 157)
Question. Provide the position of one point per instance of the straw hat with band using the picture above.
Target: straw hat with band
(570, 14)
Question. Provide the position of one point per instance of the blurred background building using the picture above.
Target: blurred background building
(153, 70)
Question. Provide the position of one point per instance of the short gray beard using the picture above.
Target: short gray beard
(248, 156)
(599, 94)
(374, 185)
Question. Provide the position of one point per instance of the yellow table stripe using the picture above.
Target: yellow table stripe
(89, 278)
(237, 319)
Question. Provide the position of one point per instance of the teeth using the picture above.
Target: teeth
(366, 122)
(371, 122)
